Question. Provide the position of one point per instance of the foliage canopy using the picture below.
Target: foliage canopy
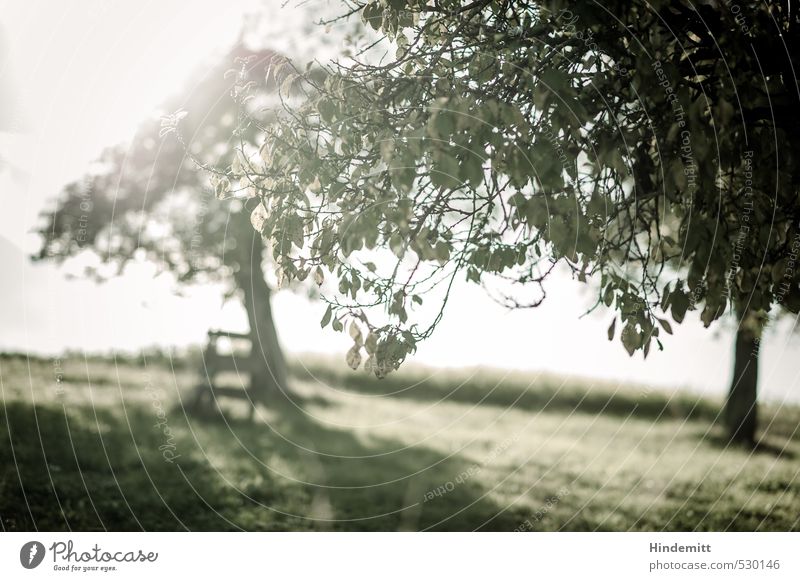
(649, 147)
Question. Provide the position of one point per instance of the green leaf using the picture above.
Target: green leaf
(471, 171)
(679, 305)
(445, 170)
(608, 295)
(630, 339)
(442, 252)
(708, 315)
(326, 318)
(326, 110)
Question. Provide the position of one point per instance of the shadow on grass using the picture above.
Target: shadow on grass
(86, 469)
(484, 390)
(765, 446)
(355, 481)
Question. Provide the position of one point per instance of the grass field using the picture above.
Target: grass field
(109, 446)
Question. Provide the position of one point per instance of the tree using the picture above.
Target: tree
(148, 200)
(649, 147)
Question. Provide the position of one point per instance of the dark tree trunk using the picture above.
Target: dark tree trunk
(741, 407)
(267, 363)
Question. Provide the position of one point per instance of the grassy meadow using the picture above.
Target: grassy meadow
(93, 444)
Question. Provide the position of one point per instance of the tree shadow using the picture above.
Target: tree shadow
(544, 395)
(766, 446)
(84, 469)
(79, 468)
(358, 481)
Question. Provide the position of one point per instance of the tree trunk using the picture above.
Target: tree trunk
(741, 407)
(267, 363)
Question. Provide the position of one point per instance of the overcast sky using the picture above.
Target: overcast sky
(88, 71)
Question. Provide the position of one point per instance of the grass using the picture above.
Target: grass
(421, 450)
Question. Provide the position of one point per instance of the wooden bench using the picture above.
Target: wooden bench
(208, 392)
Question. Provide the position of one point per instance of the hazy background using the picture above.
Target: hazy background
(87, 72)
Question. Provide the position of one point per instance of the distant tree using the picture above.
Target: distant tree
(649, 146)
(149, 200)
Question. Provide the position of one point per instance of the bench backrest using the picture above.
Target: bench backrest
(215, 361)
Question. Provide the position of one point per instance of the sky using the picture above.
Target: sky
(86, 72)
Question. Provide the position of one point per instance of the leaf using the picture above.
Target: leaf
(326, 318)
(665, 324)
(372, 14)
(387, 148)
(630, 339)
(445, 170)
(326, 110)
(355, 333)
(612, 329)
(608, 295)
(353, 357)
(665, 298)
(258, 217)
(442, 252)
(678, 175)
(679, 305)
(708, 315)
(472, 172)
(371, 344)
(221, 188)
(397, 245)
(265, 153)
(288, 83)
